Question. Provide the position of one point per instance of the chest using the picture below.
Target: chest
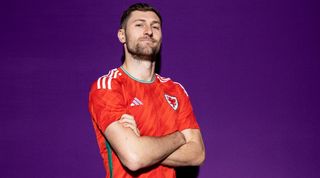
(154, 108)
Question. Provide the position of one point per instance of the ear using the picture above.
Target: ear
(121, 35)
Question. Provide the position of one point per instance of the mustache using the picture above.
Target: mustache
(147, 39)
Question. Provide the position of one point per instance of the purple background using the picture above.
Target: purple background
(250, 67)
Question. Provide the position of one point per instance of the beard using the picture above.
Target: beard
(143, 50)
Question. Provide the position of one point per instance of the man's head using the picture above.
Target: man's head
(137, 7)
(140, 31)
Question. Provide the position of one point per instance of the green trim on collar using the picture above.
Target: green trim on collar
(138, 80)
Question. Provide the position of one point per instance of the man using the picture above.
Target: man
(144, 123)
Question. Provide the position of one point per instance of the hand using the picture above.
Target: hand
(128, 121)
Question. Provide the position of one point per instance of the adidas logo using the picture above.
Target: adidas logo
(136, 102)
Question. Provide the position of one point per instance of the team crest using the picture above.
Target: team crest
(172, 100)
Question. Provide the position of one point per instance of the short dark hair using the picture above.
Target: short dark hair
(137, 7)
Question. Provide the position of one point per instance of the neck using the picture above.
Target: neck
(140, 69)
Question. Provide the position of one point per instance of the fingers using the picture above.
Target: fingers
(127, 118)
(133, 128)
(128, 121)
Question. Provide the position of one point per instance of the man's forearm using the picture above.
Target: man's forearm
(190, 154)
(186, 155)
(155, 149)
(137, 152)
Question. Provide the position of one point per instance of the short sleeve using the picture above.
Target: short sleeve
(106, 105)
(186, 118)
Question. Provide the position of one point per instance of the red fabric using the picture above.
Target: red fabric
(159, 108)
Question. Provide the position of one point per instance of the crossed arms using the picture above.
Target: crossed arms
(183, 148)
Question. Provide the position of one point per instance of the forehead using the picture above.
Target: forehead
(148, 16)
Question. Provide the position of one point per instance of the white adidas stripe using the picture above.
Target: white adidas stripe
(98, 83)
(99, 80)
(115, 74)
(102, 81)
(110, 78)
(137, 100)
(182, 88)
(162, 79)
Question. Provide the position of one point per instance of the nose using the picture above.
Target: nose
(148, 30)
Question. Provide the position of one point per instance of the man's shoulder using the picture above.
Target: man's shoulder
(164, 80)
(108, 81)
(171, 84)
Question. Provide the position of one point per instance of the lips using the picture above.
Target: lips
(148, 40)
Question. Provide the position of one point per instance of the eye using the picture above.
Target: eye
(138, 25)
(156, 27)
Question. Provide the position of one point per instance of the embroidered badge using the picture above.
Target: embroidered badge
(172, 100)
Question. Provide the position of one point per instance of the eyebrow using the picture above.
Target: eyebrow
(143, 20)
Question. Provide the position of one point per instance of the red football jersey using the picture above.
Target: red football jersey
(159, 107)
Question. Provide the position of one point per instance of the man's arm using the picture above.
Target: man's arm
(193, 152)
(136, 151)
(190, 154)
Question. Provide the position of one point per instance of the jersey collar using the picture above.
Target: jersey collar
(138, 80)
